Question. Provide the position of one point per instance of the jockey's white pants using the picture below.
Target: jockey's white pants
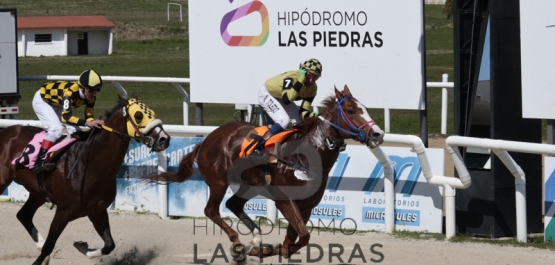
(51, 119)
(277, 110)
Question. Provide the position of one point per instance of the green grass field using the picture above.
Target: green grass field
(146, 44)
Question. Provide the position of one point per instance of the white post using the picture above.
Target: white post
(444, 97)
(386, 120)
(185, 102)
(520, 193)
(162, 188)
(449, 193)
(389, 188)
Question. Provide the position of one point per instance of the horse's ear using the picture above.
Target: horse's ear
(122, 100)
(346, 91)
(338, 94)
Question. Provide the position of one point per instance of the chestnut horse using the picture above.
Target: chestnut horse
(93, 165)
(298, 179)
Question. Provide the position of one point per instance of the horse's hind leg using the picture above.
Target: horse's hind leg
(101, 224)
(236, 205)
(212, 211)
(25, 216)
(5, 178)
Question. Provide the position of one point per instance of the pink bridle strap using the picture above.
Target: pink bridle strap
(370, 122)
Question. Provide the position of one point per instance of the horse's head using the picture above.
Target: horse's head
(143, 126)
(351, 119)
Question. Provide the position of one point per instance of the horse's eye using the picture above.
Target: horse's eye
(139, 117)
(351, 112)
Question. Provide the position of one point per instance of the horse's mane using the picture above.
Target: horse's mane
(329, 102)
(304, 126)
(110, 113)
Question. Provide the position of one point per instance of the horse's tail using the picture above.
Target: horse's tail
(184, 172)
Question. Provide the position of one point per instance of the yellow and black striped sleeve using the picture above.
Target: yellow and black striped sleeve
(308, 96)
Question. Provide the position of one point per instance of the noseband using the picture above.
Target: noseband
(356, 132)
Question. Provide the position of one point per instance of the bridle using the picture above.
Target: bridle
(137, 134)
(356, 132)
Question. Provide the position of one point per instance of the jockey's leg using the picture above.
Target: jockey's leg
(40, 164)
(276, 110)
(51, 121)
(275, 129)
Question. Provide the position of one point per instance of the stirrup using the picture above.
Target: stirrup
(44, 167)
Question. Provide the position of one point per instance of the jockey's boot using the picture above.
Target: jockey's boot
(262, 142)
(40, 164)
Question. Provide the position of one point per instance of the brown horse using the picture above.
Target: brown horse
(298, 179)
(91, 187)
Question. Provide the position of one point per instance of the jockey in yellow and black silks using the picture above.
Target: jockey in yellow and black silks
(54, 103)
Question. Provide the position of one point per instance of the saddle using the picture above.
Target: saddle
(31, 150)
(249, 144)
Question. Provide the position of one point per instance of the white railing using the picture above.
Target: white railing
(499, 148)
(176, 82)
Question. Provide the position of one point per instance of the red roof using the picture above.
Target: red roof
(64, 22)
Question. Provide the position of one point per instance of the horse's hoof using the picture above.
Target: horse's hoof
(82, 247)
(93, 253)
(237, 249)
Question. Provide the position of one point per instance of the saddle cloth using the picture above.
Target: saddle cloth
(31, 151)
(260, 131)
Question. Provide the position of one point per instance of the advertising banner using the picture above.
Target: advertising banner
(537, 35)
(366, 45)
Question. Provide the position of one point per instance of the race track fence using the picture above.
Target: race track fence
(500, 148)
(177, 81)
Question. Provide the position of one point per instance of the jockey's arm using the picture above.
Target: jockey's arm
(306, 108)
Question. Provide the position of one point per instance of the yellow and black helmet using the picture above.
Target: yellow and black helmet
(313, 66)
(91, 80)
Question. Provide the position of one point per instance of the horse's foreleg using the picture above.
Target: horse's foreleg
(297, 227)
(101, 224)
(57, 226)
(25, 216)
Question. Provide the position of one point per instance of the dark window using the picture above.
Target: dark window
(43, 37)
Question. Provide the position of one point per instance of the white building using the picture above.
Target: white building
(64, 35)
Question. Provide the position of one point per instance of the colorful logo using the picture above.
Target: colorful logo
(254, 6)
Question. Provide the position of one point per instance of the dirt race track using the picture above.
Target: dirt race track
(146, 239)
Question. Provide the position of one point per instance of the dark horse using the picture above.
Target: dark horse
(91, 187)
(298, 179)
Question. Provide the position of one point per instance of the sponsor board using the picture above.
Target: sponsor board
(343, 35)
